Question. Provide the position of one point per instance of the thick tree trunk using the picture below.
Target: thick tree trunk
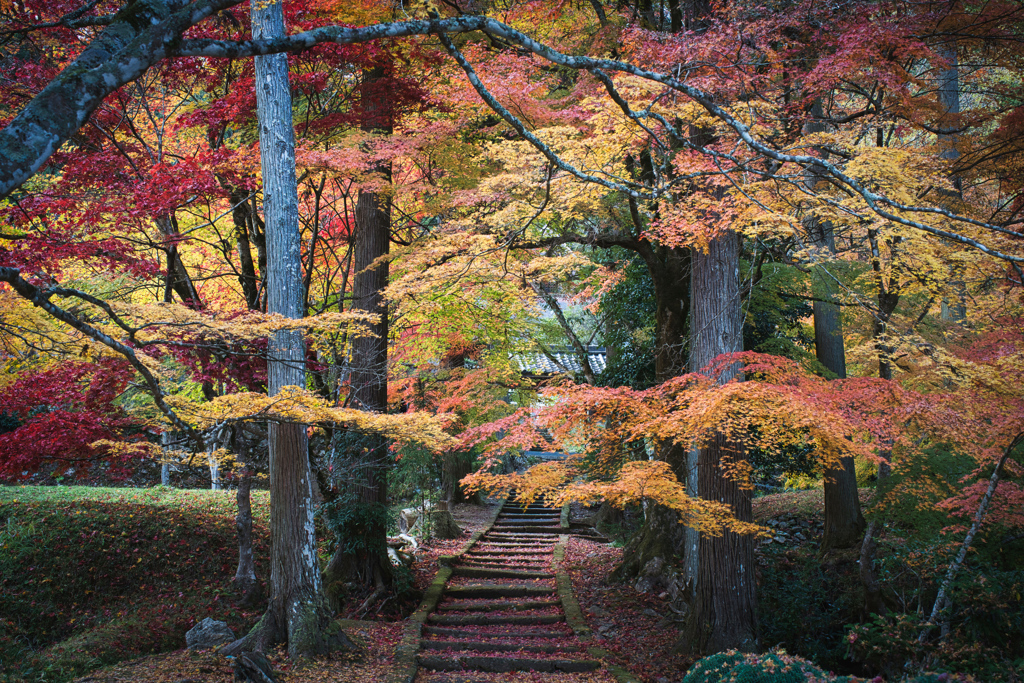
(368, 379)
(298, 612)
(670, 274)
(456, 465)
(844, 521)
(723, 614)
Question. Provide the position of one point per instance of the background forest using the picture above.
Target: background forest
(793, 228)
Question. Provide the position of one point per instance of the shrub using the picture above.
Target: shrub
(779, 667)
(772, 667)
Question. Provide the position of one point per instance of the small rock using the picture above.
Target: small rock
(208, 634)
(799, 536)
(651, 613)
(662, 596)
(597, 611)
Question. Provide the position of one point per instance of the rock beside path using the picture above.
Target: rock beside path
(208, 634)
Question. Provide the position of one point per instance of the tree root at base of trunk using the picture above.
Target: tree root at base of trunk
(305, 625)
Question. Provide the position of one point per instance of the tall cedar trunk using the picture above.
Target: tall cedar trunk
(723, 614)
(844, 522)
(369, 366)
(298, 612)
(456, 465)
(661, 539)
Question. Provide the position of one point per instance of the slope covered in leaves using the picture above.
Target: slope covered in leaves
(95, 576)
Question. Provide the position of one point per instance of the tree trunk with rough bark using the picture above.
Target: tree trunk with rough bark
(298, 612)
(723, 613)
(456, 465)
(368, 378)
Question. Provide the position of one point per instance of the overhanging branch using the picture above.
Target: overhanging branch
(41, 298)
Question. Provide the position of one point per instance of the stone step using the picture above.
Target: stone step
(495, 590)
(496, 647)
(506, 664)
(555, 519)
(444, 632)
(484, 573)
(497, 605)
(510, 557)
(514, 561)
(522, 545)
(426, 676)
(485, 620)
(492, 567)
(508, 552)
(511, 560)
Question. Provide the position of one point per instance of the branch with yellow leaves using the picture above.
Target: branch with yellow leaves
(306, 409)
(41, 298)
(295, 405)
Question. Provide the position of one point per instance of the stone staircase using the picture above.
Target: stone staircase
(499, 610)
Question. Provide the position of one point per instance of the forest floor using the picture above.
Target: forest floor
(93, 578)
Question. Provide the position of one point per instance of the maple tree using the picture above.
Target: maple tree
(60, 413)
(676, 137)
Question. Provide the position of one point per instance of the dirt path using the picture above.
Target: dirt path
(500, 611)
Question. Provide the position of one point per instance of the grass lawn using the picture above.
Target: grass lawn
(91, 576)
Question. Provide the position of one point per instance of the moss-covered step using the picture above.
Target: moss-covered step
(507, 664)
